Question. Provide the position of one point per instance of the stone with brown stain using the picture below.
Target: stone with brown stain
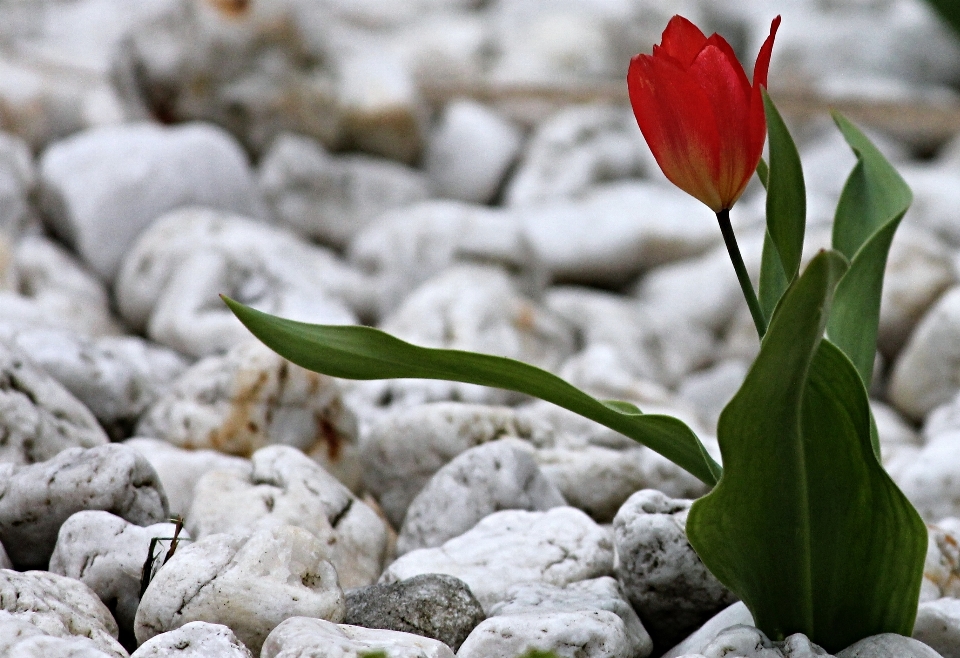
(249, 398)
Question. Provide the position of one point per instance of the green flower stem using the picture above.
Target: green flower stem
(723, 217)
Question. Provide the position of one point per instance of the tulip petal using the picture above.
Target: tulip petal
(720, 75)
(675, 116)
(763, 57)
(682, 40)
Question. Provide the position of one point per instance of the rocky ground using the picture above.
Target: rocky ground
(463, 174)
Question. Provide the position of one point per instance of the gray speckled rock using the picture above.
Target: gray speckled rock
(671, 589)
(45, 286)
(107, 554)
(116, 377)
(250, 398)
(283, 486)
(432, 605)
(556, 547)
(102, 187)
(56, 606)
(587, 619)
(485, 479)
(301, 637)
(938, 626)
(35, 500)
(181, 469)
(405, 447)
(248, 583)
(331, 198)
(198, 639)
(39, 418)
(888, 645)
(170, 279)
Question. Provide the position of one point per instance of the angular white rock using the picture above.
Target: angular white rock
(198, 639)
(938, 626)
(925, 374)
(587, 619)
(575, 148)
(103, 187)
(475, 308)
(282, 486)
(45, 286)
(56, 606)
(556, 547)
(301, 637)
(405, 447)
(251, 397)
(108, 554)
(485, 479)
(169, 281)
(116, 377)
(470, 150)
(403, 248)
(248, 583)
(665, 580)
(332, 198)
(35, 500)
(39, 418)
(179, 469)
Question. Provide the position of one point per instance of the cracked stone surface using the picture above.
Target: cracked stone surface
(283, 486)
(249, 583)
(38, 603)
(432, 605)
(559, 546)
(35, 500)
(198, 639)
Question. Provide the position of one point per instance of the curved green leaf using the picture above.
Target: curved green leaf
(354, 352)
(805, 526)
(786, 192)
(874, 200)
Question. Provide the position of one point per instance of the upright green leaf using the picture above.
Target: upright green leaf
(773, 280)
(805, 526)
(786, 192)
(353, 352)
(874, 200)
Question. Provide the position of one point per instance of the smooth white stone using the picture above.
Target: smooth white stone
(198, 639)
(888, 645)
(56, 606)
(590, 618)
(485, 479)
(180, 469)
(108, 554)
(556, 547)
(169, 282)
(469, 152)
(251, 397)
(103, 187)
(36, 499)
(301, 637)
(332, 198)
(284, 487)
(248, 583)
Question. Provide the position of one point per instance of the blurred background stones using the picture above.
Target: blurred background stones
(465, 174)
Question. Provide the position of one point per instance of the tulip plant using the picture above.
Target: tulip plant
(802, 523)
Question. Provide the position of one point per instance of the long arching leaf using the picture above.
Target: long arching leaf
(353, 352)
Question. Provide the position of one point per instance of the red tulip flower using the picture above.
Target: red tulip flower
(700, 115)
